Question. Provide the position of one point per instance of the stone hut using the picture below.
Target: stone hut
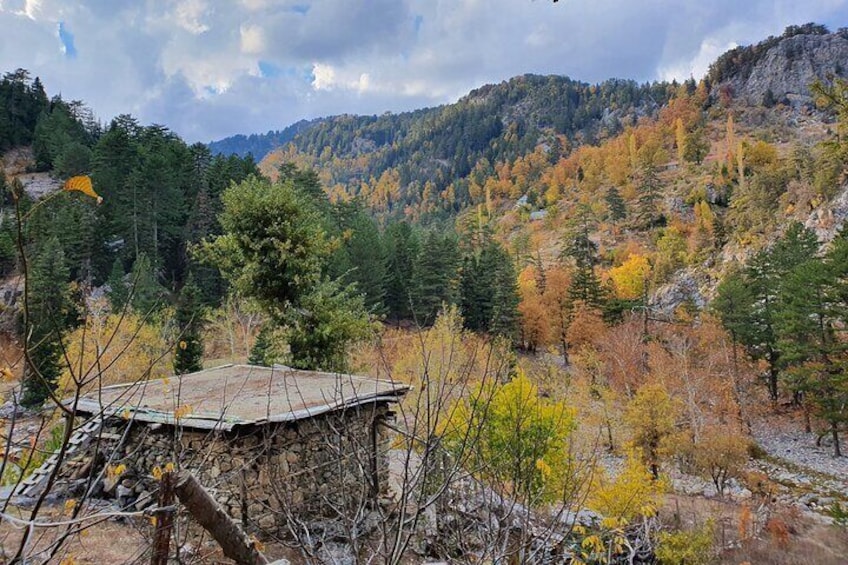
(269, 443)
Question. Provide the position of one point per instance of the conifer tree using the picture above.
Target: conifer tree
(119, 292)
(274, 248)
(146, 295)
(188, 354)
(810, 312)
(648, 213)
(505, 316)
(615, 204)
(360, 258)
(579, 247)
(436, 275)
(265, 351)
(748, 303)
(49, 315)
(402, 247)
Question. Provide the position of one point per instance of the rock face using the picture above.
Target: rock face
(828, 220)
(788, 68)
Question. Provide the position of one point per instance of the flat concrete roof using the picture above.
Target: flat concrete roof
(236, 395)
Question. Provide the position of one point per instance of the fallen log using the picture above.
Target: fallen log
(209, 514)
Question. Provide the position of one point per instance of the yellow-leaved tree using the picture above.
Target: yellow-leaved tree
(628, 279)
(113, 349)
(629, 494)
(521, 441)
(652, 416)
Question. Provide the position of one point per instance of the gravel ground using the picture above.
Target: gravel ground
(807, 466)
(793, 445)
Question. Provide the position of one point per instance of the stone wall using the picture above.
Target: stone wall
(264, 476)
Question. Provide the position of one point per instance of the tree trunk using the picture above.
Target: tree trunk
(772, 384)
(215, 520)
(164, 521)
(834, 432)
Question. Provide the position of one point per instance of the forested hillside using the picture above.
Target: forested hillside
(422, 160)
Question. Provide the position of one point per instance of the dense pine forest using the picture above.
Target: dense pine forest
(659, 270)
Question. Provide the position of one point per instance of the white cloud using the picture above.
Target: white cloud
(214, 68)
(324, 77)
(254, 5)
(698, 65)
(189, 15)
(252, 39)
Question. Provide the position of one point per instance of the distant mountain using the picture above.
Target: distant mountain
(781, 69)
(258, 144)
(433, 149)
(435, 160)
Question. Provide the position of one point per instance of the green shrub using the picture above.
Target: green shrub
(687, 547)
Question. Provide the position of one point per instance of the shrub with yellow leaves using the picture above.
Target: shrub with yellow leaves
(115, 349)
(521, 441)
(687, 547)
(632, 493)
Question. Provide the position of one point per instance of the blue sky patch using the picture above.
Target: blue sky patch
(269, 70)
(67, 40)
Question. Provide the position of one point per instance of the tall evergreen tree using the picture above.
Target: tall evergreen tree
(505, 316)
(188, 355)
(119, 291)
(50, 314)
(579, 247)
(488, 291)
(263, 352)
(436, 275)
(615, 204)
(146, 294)
(274, 249)
(402, 248)
(811, 311)
(748, 303)
(648, 211)
(360, 258)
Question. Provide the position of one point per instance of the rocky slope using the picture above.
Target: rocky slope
(782, 69)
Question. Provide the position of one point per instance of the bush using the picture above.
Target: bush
(690, 547)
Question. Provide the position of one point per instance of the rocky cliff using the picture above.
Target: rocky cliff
(781, 69)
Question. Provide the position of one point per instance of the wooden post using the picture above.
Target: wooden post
(209, 514)
(164, 516)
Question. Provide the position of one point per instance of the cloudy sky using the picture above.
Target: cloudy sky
(211, 68)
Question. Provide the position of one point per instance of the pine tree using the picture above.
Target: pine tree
(648, 213)
(810, 310)
(332, 317)
(436, 275)
(474, 295)
(50, 315)
(263, 352)
(274, 249)
(505, 316)
(402, 247)
(615, 204)
(188, 355)
(119, 292)
(361, 257)
(146, 295)
(748, 303)
(579, 247)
